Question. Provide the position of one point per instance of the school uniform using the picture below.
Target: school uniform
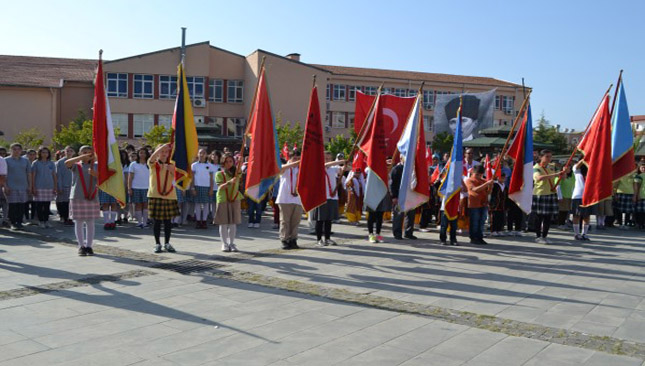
(356, 191)
(162, 201)
(545, 200)
(228, 212)
(325, 214)
(140, 181)
(18, 171)
(84, 206)
(288, 200)
(64, 183)
(44, 189)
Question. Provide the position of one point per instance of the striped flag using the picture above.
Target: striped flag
(451, 186)
(520, 189)
(110, 174)
(415, 189)
(184, 134)
(263, 168)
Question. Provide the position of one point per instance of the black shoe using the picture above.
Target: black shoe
(411, 237)
(169, 248)
(454, 242)
(89, 251)
(480, 242)
(294, 244)
(286, 245)
(398, 237)
(443, 242)
(82, 252)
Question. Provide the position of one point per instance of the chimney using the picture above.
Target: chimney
(294, 56)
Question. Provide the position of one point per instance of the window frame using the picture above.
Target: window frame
(171, 82)
(211, 91)
(143, 123)
(120, 77)
(232, 87)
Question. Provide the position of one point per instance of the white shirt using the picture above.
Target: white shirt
(358, 185)
(579, 186)
(3, 167)
(202, 174)
(330, 180)
(288, 182)
(140, 175)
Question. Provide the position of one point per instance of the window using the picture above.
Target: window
(328, 95)
(217, 125)
(338, 119)
(339, 92)
(195, 86)
(143, 86)
(120, 123)
(370, 90)
(428, 99)
(216, 91)
(167, 87)
(235, 91)
(142, 123)
(387, 91)
(165, 120)
(235, 127)
(412, 93)
(498, 104)
(427, 122)
(507, 103)
(351, 119)
(117, 85)
(401, 92)
(352, 93)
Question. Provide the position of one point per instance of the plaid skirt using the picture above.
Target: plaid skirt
(640, 206)
(624, 203)
(44, 195)
(228, 213)
(139, 196)
(82, 209)
(201, 195)
(17, 196)
(603, 208)
(63, 196)
(105, 198)
(162, 209)
(545, 205)
(180, 195)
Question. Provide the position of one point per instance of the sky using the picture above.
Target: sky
(568, 51)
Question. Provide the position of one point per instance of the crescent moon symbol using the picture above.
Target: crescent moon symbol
(395, 119)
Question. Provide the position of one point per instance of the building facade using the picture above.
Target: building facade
(142, 92)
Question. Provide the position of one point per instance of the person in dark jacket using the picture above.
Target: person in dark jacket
(399, 217)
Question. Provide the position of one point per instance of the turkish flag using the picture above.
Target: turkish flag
(285, 151)
(374, 145)
(312, 162)
(489, 168)
(596, 147)
(394, 112)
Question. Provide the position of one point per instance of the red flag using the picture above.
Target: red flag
(393, 115)
(295, 145)
(435, 175)
(99, 128)
(596, 147)
(359, 161)
(489, 168)
(263, 165)
(285, 151)
(429, 155)
(374, 146)
(312, 162)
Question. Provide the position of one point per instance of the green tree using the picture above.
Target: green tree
(77, 133)
(548, 134)
(341, 144)
(442, 142)
(288, 132)
(157, 135)
(30, 139)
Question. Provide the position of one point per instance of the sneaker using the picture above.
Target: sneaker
(250, 226)
(424, 230)
(380, 239)
(15, 227)
(330, 242)
(577, 237)
(443, 242)
(540, 240)
(372, 238)
(169, 248)
(585, 237)
(454, 243)
(158, 248)
(82, 252)
(225, 248)
(294, 244)
(411, 237)
(89, 251)
(256, 225)
(286, 245)
(233, 248)
(140, 225)
(321, 243)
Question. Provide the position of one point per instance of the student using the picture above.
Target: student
(565, 191)
(545, 198)
(214, 159)
(445, 223)
(84, 204)
(288, 201)
(162, 198)
(375, 219)
(399, 217)
(355, 187)
(64, 181)
(624, 199)
(478, 190)
(43, 178)
(30, 206)
(325, 214)
(228, 214)
(639, 196)
(138, 180)
(580, 214)
(122, 215)
(17, 186)
(202, 188)
(3, 200)
(497, 207)
(133, 157)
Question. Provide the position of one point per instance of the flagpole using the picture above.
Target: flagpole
(510, 134)
(248, 121)
(575, 149)
(182, 55)
(613, 103)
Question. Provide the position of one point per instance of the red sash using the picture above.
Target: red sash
(88, 196)
(162, 190)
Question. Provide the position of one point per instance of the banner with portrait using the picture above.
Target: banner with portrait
(477, 113)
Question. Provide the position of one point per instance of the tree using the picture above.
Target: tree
(30, 139)
(442, 142)
(288, 132)
(77, 133)
(548, 134)
(157, 135)
(341, 144)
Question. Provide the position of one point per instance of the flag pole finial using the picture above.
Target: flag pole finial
(101, 55)
(421, 87)
(314, 81)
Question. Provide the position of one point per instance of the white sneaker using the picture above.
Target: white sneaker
(233, 248)
(321, 243)
(250, 225)
(330, 242)
(256, 225)
(225, 248)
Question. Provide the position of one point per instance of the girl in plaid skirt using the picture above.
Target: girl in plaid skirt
(162, 197)
(43, 188)
(624, 199)
(228, 213)
(84, 202)
(545, 197)
(202, 188)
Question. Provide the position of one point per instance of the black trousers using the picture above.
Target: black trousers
(167, 230)
(398, 219)
(426, 218)
(542, 225)
(443, 231)
(514, 217)
(63, 210)
(374, 218)
(497, 221)
(42, 211)
(323, 227)
(16, 213)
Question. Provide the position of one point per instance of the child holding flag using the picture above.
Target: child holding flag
(325, 214)
(227, 214)
(288, 201)
(545, 197)
(162, 197)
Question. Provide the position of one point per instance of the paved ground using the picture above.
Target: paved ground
(400, 303)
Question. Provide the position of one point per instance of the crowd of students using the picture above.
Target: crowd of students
(32, 180)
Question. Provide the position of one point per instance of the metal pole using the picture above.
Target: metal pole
(183, 44)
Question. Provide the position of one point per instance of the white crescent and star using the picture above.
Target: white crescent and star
(395, 119)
